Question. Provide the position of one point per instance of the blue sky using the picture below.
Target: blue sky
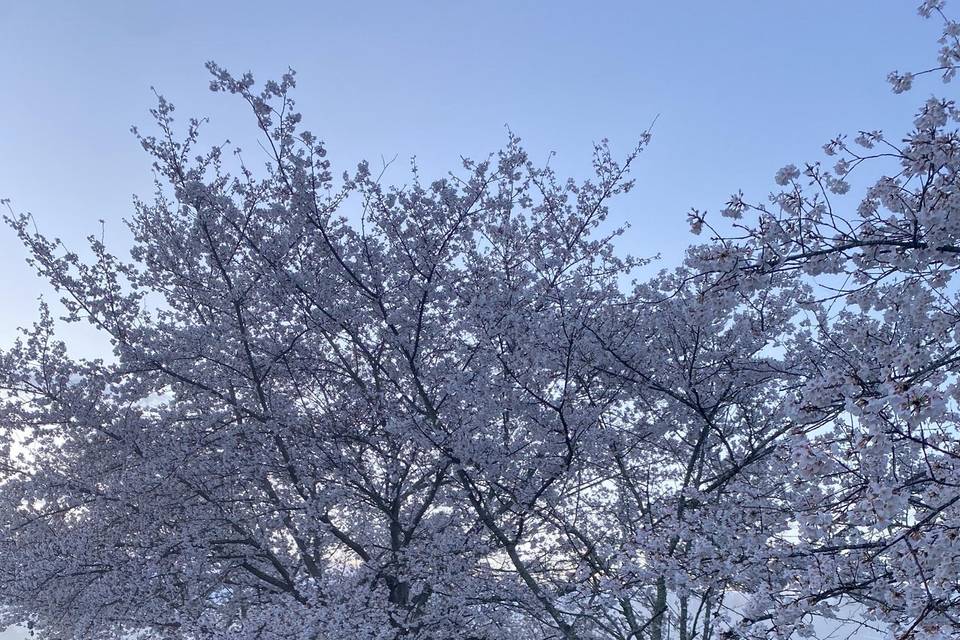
(740, 88)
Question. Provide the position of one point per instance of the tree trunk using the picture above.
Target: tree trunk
(659, 610)
(683, 618)
(707, 623)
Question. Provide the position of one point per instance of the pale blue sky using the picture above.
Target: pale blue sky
(740, 87)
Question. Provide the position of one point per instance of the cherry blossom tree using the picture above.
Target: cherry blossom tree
(876, 489)
(336, 408)
(309, 428)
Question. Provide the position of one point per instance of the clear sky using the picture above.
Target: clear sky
(740, 87)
